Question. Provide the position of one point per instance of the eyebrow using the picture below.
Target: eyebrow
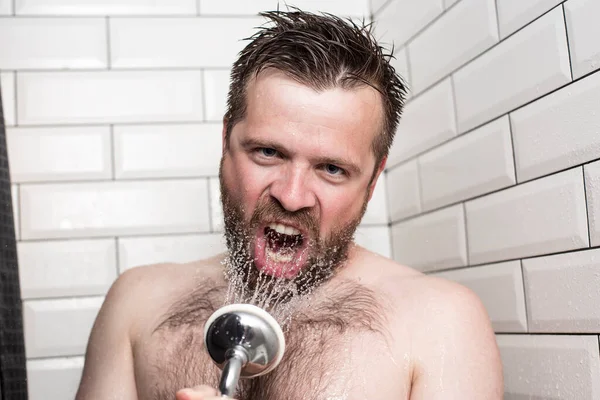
(346, 164)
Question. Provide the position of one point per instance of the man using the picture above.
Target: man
(312, 110)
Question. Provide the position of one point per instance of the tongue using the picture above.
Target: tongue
(279, 255)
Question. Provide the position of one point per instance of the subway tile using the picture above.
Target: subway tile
(402, 184)
(59, 327)
(114, 208)
(592, 185)
(66, 268)
(432, 241)
(109, 97)
(550, 366)
(165, 42)
(152, 151)
(59, 154)
(216, 87)
(449, 3)
(500, 289)
(520, 69)
(514, 14)
(6, 7)
(400, 64)
(375, 239)
(514, 223)
(399, 20)
(53, 43)
(244, 7)
(558, 131)
(216, 209)
(103, 7)
(583, 30)
(54, 378)
(376, 212)
(7, 84)
(458, 36)
(15, 206)
(427, 121)
(469, 166)
(139, 251)
(562, 292)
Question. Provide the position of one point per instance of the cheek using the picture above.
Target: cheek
(245, 183)
(338, 209)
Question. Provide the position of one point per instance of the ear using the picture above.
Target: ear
(380, 169)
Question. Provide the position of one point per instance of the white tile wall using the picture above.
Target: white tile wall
(59, 154)
(55, 43)
(139, 251)
(584, 31)
(16, 213)
(6, 7)
(520, 69)
(54, 378)
(216, 85)
(513, 14)
(400, 64)
(114, 208)
(376, 5)
(562, 292)
(59, 327)
(449, 3)
(459, 35)
(376, 212)
(550, 367)
(403, 191)
(216, 211)
(471, 165)
(558, 131)
(428, 120)
(7, 84)
(374, 238)
(500, 289)
(432, 241)
(150, 151)
(539, 217)
(165, 42)
(104, 7)
(244, 7)
(592, 185)
(109, 97)
(399, 20)
(66, 268)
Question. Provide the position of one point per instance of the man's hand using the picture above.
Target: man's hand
(201, 392)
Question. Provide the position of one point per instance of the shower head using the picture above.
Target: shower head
(243, 341)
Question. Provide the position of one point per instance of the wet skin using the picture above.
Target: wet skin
(308, 150)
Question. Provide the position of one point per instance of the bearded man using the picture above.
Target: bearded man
(312, 110)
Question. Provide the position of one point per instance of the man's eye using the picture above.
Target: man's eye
(267, 152)
(333, 169)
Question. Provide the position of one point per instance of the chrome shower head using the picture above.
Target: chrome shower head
(243, 341)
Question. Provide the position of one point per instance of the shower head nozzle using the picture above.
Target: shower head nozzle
(243, 341)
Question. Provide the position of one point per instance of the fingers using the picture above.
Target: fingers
(201, 392)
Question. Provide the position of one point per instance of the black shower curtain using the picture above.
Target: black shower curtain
(13, 374)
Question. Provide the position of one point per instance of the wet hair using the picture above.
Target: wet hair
(321, 51)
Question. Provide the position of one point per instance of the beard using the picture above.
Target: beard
(247, 283)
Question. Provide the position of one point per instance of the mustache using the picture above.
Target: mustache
(273, 210)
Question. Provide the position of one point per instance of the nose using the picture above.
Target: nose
(292, 191)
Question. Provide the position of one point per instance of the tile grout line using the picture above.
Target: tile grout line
(203, 95)
(19, 212)
(512, 144)
(468, 253)
(117, 262)
(567, 37)
(408, 71)
(108, 44)
(14, 8)
(113, 166)
(198, 8)
(210, 212)
(498, 21)
(16, 99)
(109, 236)
(587, 207)
(524, 295)
(454, 106)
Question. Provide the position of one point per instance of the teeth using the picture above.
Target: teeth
(278, 256)
(288, 230)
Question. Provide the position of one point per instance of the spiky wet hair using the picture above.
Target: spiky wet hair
(321, 51)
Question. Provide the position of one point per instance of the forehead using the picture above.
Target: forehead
(277, 105)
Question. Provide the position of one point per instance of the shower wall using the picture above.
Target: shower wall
(494, 178)
(114, 113)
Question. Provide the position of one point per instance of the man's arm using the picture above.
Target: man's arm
(457, 355)
(108, 370)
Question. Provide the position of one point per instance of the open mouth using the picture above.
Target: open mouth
(280, 250)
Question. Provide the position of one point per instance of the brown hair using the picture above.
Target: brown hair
(321, 51)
